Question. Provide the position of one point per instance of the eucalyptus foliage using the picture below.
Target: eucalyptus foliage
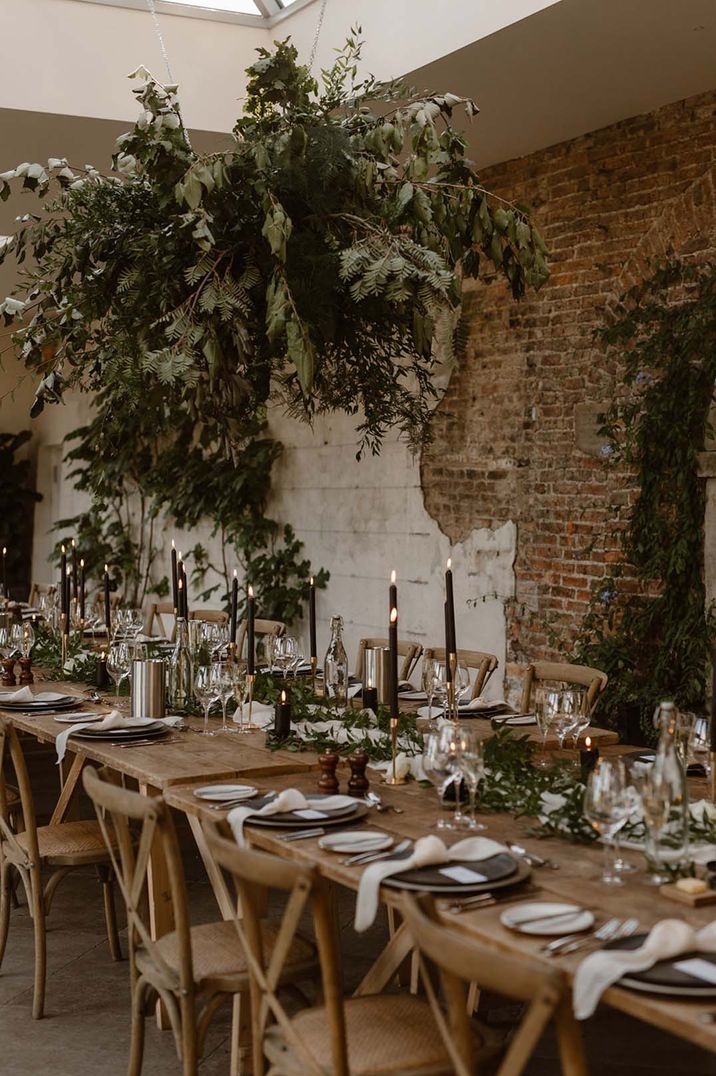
(311, 263)
(647, 625)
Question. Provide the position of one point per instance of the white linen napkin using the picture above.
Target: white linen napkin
(600, 970)
(113, 720)
(261, 714)
(405, 765)
(23, 695)
(427, 851)
(288, 800)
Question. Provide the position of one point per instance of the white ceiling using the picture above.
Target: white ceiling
(575, 67)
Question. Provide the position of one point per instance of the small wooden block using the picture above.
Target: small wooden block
(694, 900)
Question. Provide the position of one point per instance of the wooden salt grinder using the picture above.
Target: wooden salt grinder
(328, 782)
(358, 784)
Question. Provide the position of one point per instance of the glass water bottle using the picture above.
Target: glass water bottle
(181, 673)
(668, 845)
(335, 665)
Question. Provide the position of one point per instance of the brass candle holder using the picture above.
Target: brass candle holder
(250, 727)
(65, 647)
(314, 666)
(392, 777)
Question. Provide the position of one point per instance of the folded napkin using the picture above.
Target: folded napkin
(261, 714)
(427, 851)
(113, 720)
(405, 765)
(288, 800)
(23, 695)
(666, 940)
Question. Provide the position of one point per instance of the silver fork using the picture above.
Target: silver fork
(621, 929)
(604, 933)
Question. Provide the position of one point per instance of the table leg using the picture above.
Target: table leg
(161, 912)
(387, 965)
(70, 776)
(216, 878)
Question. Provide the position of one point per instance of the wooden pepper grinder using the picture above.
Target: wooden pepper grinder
(358, 784)
(26, 676)
(8, 676)
(328, 782)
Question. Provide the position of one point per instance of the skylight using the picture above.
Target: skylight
(244, 7)
(248, 12)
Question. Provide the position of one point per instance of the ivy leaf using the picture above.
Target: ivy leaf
(301, 353)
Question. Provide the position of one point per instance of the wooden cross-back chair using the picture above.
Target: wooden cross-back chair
(409, 652)
(378, 1033)
(156, 611)
(461, 959)
(594, 680)
(483, 663)
(261, 627)
(37, 589)
(42, 856)
(192, 969)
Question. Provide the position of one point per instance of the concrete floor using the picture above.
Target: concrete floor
(86, 1027)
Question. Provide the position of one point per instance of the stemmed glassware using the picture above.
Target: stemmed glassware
(22, 637)
(270, 650)
(215, 635)
(440, 683)
(582, 719)
(206, 693)
(468, 753)
(287, 653)
(119, 661)
(439, 766)
(655, 794)
(224, 688)
(546, 706)
(605, 807)
(239, 687)
(428, 683)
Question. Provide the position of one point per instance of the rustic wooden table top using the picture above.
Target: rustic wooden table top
(574, 881)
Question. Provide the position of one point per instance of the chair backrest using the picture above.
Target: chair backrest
(27, 855)
(256, 874)
(261, 627)
(409, 652)
(156, 611)
(479, 660)
(461, 960)
(562, 672)
(36, 589)
(210, 616)
(119, 813)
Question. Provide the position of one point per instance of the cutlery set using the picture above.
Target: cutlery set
(609, 931)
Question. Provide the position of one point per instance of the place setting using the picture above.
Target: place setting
(292, 809)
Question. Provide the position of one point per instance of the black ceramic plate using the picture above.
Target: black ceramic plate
(663, 977)
(496, 869)
(155, 729)
(338, 817)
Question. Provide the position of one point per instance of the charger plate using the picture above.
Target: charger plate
(663, 977)
(501, 871)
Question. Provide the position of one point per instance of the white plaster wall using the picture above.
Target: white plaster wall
(362, 519)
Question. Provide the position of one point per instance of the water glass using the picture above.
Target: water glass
(470, 761)
(439, 766)
(206, 693)
(605, 808)
(286, 653)
(441, 682)
(428, 682)
(547, 702)
(119, 662)
(224, 687)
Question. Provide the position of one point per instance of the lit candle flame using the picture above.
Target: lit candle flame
(588, 743)
(251, 591)
(236, 573)
(392, 577)
(449, 564)
(73, 543)
(283, 696)
(63, 548)
(68, 573)
(4, 550)
(173, 546)
(106, 569)
(393, 616)
(82, 563)
(180, 584)
(311, 581)
(179, 555)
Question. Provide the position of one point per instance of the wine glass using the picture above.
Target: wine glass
(428, 683)
(701, 744)
(239, 685)
(546, 706)
(655, 794)
(119, 661)
(685, 725)
(285, 653)
(16, 638)
(270, 650)
(439, 766)
(441, 682)
(606, 810)
(224, 689)
(215, 635)
(472, 767)
(27, 638)
(205, 690)
(582, 718)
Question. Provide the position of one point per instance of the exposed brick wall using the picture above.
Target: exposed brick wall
(505, 447)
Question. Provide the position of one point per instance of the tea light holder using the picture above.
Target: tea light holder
(250, 727)
(102, 678)
(392, 777)
(588, 758)
(282, 721)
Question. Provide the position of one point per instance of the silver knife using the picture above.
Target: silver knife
(302, 834)
(371, 857)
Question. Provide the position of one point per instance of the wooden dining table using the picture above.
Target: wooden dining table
(174, 767)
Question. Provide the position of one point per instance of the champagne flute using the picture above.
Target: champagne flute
(428, 683)
(472, 767)
(606, 810)
(239, 685)
(205, 691)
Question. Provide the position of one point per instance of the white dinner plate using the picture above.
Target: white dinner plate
(219, 793)
(361, 840)
(40, 698)
(571, 922)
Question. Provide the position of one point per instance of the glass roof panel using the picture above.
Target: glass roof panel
(244, 7)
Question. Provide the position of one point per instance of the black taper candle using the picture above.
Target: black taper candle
(312, 617)
(74, 571)
(448, 667)
(713, 701)
(250, 643)
(68, 579)
(282, 725)
(450, 601)
(234, 606)
(175, 591)
(82, 590)
(186, 591)
(107, 610)
(392, 593)
(393, 645)
(4, 572)
(63, 573)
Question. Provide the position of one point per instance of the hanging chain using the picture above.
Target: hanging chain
(165, 57)
(319, 24)
(160, 36)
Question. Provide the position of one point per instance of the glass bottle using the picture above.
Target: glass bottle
(181, 673)
(335, 665)
(667, 846)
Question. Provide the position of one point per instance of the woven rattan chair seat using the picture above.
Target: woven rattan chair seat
(69, 843)
(385, 1034)
(217, 957)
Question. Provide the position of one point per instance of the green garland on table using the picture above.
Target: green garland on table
(80, 665)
